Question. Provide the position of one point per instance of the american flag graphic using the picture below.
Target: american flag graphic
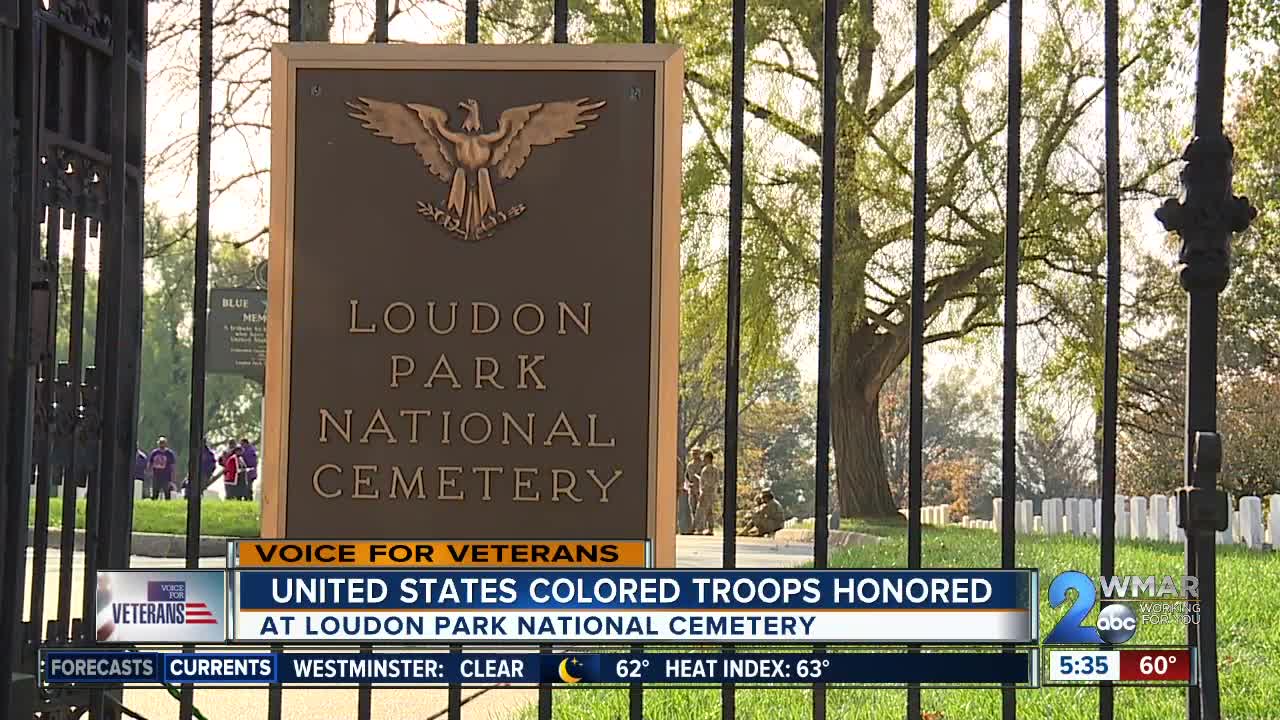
(198, 614)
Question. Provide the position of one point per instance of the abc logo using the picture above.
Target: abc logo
(1117, 623)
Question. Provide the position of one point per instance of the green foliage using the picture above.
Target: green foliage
(232, 404)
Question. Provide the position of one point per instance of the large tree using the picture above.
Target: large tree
(1060, 191)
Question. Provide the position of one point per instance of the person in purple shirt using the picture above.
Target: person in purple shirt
(162, 462)
(250, 455)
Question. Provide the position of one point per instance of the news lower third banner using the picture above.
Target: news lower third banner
(128, 668)
(644, 606)
(558, 606)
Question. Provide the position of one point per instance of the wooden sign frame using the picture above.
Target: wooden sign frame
(665, 61)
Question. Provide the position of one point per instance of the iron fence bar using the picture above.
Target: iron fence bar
(121, 277)
(15, 327)
(1111, 337)
(1013, 226)
(560, 21)
(364, 693)
(733, 315)
(199, 314)
(9, 28)
(47, 469)
(274, 692)
(68, 376)
(67, 540)
(295, 20)
(1204, 275)
(648, 35)
(472, 38)
(560, 35)
(831, 72)
(544, 691)
(473, 21)
(380, 21)
(919, 238)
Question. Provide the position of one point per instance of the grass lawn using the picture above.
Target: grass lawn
(1248, 631)
(217, 517)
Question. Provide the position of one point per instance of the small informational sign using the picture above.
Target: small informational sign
(238, 332)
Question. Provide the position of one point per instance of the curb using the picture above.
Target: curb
(836, 538)
(157, 545)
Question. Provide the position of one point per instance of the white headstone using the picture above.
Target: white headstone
(1037, 525)
(1138, 517)
(1051, 509)
(1122, 524)
(1071, 516)
(1158, 525)
(1084, 523)
(1097, 517)
(1026, 512)
(1251, 521)
(997, 512)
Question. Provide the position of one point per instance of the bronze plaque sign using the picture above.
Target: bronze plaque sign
(473, 322)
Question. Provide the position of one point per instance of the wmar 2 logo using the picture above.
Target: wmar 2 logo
(1166, 599)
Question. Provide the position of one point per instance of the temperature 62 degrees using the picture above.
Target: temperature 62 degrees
(1084, 665)
(1156, 666)
(631, 668)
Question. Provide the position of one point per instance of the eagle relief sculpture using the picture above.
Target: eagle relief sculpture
(470, 160)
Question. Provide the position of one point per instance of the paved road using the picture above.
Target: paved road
(388, 704)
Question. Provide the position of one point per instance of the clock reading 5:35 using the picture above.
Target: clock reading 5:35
(1086, 665)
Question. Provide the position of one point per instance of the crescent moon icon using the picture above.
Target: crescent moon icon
(565, 675)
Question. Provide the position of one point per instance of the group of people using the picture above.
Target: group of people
(698, 498)
(237, 465)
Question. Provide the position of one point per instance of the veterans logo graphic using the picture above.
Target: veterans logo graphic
(138, 607)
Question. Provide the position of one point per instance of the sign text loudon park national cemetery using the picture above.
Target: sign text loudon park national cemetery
(475, 331)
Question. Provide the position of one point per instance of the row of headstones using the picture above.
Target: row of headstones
(80, 492)
(1140, 518)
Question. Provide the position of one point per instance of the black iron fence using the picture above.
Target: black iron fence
(72, 142)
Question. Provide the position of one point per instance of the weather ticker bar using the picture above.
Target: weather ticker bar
(402, 669)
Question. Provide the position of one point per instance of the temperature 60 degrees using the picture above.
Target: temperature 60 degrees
(630, 668)
(1156, 666)
(811, 668)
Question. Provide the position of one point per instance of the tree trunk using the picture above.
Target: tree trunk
(863, 480)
